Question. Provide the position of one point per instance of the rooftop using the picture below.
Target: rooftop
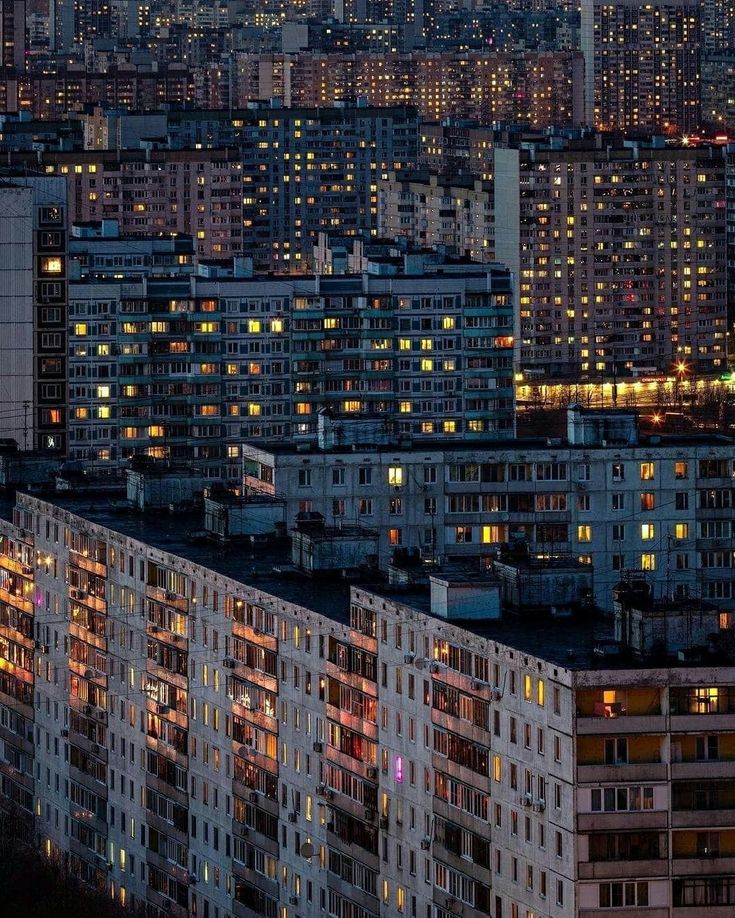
(464, 446)
(584, 642)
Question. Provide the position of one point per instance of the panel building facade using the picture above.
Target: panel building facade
(203, 746)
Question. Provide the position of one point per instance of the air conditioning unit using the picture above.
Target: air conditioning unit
(293, 900)
(369, 815)
(292, 817)
(329, 794)
(497, 694)
(101, 715)
(426, 843)
(244, 751)
(95, 749)
(162, 708)
(38, 645)
(253, 796)
(318, 747)
(229, 662)
(193, 879)
(170, 597)
(478, 685)
(372, 773)
(88, 710)
(527, 800)
(436, 666)
(539, 805)
(409, 657)
(155, 629)
(64, 732)
(89, 674)
(384, 822)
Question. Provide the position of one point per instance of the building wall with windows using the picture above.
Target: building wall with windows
(642, 65)
(179, 735)
(34, 312)
(662, 508)
(174, 367)
(620, 255)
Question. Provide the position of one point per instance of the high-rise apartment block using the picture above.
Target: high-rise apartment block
(642, 64)
(198, 745)
(13, 35)
(187, 368)
(619, 252)
(603, 495)
(263, 181)
(33, 312)
(428, 210)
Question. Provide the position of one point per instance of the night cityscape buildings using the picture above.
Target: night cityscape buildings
(367, 455)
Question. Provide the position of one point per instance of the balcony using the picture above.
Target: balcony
(703, 770)
(702, 723)
(624, 772)
(620, 722)
(610, 870)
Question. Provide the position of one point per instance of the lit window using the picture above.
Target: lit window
(648, 562)
(448, 322)
(681, 470)
(395, 475)
(427, 365)
(648, 501)
(404, 407)
(540, 690)
(277, 326)
(648, 471)
(52, 265)
(492, 535)
(427, 344)
(648, 531)
(527, 688)
(255, 326)
(254, 409)
(584, 533)
(81, 329)
(449, 426)
(103, 391)
(103, 412)
(681, 531)
(394, 536)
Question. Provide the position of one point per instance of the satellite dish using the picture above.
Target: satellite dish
(307, 850)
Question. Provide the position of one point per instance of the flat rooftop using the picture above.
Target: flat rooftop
(571, 643)
(282, 447)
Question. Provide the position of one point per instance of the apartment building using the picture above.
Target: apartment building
(642, 65)
(186, 367)
(605, 495)
(263, 181)
(455, 213)
(619, 251)
(538, 88)
(33, 312)
(204, 746)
